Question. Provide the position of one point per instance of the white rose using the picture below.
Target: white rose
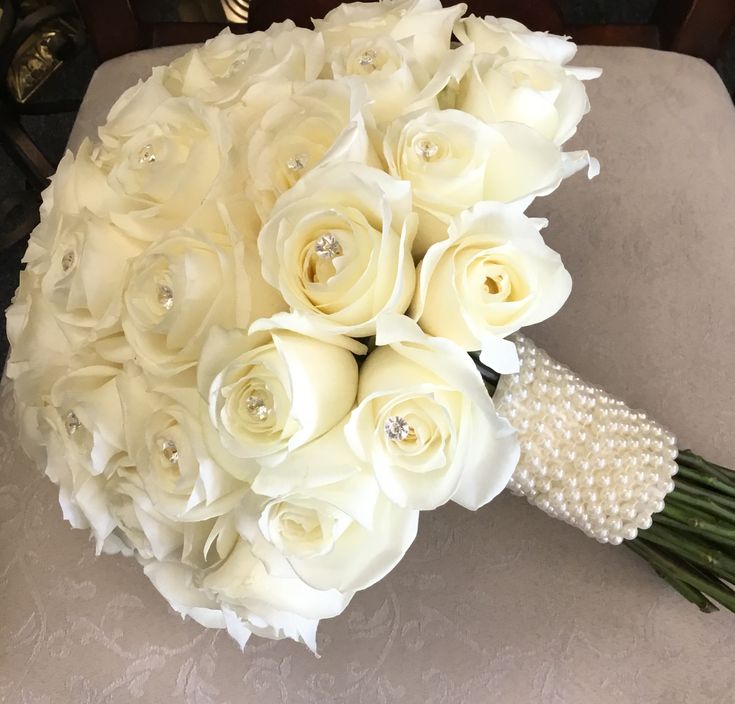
(426, 423)
(227, 66)
(276, 388)
(184, 475)
(541, 94)
(333, 525)
(245, 596)
(492, 276)
(320, 122)
(453, 160)
(424, 27)
(500, 35)
(76, 186)
(183, 285)
(137, 527)
(74, 421)
(338, 247)
(164, 161)
(80, 280)
(37, 337)
(397, 80)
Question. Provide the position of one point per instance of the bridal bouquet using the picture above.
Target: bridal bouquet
(272, 314)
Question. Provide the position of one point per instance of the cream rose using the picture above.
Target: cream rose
(246, 594)
(179, 288)
(227, 66)
(423, 26)
(397, 82)
(73, 419)
(338, 247)
(426, 424)
(321, 122)
(136, 526)
(37, 337)
(500, 35)
(453, 160)
(186, 476)
(79, 278)
(268, 392)
(164, 161)
(492, 276)
(331, 522)
(541, 94)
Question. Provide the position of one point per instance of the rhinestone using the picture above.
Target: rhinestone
(165, 296)
(297, 162)
(426, 149)
(72, 423)
(257, 407)
(170, 452)
(396, 428)
(146, 155)
(367, 58)
(67, 261)
(328, 246)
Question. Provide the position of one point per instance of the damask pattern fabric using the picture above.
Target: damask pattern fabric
(503, 605)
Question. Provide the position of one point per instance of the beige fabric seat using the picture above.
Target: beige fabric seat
(505, 605)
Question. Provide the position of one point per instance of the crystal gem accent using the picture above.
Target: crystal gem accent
(426, 149)
(72, 423)
(170, 452)
(367, 58)
(67, 261)
(165, 296)
(297, 162)
(257, 407)
(586, 458)
(146, 155)
(396, 428)
(327, 246)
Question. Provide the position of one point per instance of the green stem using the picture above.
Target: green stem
(723, 538)
(705, 508)
(705, 582)
(692, 461)
(707, 480)
(691, 543)
(674, 574)
(684, 545)
(685, 488)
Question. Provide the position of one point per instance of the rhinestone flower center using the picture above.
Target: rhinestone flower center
(165, 296)
(297, 162)
(72, 423)
(67, 261)
(367, 59)
(257, 407)
(397, 428)
(426, 149)
(146, 155)
(327, 246)
(170, 452)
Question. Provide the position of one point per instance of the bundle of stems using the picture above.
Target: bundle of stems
(691, 543)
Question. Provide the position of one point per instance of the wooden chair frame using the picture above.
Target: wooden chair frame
(696, 27)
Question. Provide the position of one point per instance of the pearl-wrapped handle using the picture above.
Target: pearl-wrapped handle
(586, 458)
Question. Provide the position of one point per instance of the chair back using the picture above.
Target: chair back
(696, 27)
